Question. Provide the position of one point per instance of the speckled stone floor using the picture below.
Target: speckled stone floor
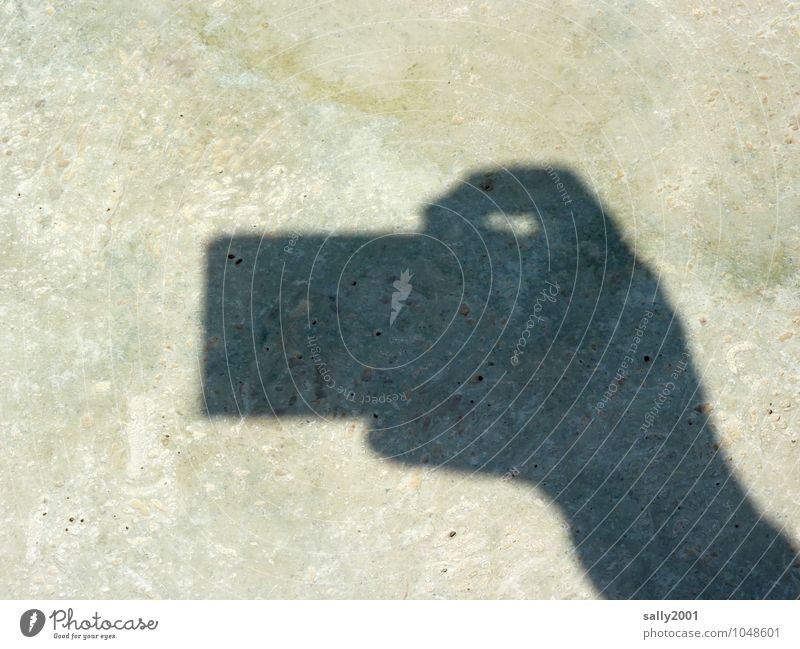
(433, 299)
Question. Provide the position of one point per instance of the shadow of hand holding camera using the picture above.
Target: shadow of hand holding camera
(516, 335)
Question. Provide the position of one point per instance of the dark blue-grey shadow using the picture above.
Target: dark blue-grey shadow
(528, 342)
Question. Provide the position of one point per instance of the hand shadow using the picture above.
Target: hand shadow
(516, 335)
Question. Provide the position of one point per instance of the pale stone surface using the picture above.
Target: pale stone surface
(135, 134)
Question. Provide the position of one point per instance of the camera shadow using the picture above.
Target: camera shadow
(517, 335)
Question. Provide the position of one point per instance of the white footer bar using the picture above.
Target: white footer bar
(406, 625)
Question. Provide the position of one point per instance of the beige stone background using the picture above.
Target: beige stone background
(132, 133)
